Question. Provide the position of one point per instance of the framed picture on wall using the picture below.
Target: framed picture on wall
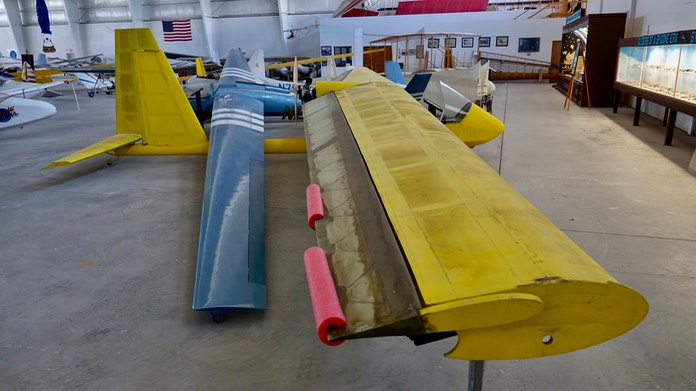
(528, 45)
(501, 40)
(325, 51)
(467, 42)
(451, 42)
(433, 43)
(419, 51)
(484, 42)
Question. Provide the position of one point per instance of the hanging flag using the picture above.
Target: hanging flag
(176, 30)
(42, 15)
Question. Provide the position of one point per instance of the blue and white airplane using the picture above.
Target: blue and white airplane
(278, 97)
(153, 117)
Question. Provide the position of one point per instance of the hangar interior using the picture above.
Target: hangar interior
(98, 259)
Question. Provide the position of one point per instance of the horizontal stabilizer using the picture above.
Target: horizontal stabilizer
(106, 145)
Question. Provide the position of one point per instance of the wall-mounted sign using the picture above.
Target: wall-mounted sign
(674, 38)
(574, 16)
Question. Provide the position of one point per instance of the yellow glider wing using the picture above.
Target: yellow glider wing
(424, 238)
(106, 145)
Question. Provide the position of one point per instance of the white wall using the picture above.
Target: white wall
(62, 39)
(653, 17)
(7, 42)
(340, 32)
(100, 38)
(249, 33)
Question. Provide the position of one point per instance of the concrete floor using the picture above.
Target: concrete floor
(97, 262)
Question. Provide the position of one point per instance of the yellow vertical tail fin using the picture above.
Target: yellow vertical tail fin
(200, 68)
(150, 101)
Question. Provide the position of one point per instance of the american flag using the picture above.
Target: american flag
(176, 30)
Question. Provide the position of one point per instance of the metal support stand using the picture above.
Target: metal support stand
(475, 375)
(636, 113)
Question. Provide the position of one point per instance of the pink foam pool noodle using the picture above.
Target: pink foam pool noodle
(315, 206)
(327, 309)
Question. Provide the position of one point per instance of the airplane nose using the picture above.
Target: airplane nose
(477, 127)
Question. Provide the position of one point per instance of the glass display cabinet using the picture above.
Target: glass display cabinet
(660, 68)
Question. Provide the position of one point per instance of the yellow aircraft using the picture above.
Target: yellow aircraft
(423, 239)
(470, 123)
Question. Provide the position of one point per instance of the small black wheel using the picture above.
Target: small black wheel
(108, 92)
(91, 94)
(218, 318)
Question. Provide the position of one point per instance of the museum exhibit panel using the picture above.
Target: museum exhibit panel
(660, 68)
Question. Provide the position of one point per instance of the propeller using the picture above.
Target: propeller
(294, 84)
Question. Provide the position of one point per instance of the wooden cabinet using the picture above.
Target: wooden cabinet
(602, 32)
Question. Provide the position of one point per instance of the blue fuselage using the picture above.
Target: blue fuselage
(276, 101)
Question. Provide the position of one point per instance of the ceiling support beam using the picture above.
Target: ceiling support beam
(207, 15)
(73, 16)
(136, 11)
(13, 16)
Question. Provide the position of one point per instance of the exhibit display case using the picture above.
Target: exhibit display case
(668, 69)
(588, 55)
(660, 68)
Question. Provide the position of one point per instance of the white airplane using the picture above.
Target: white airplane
(95, 82)
(19, 112)
(16, 106)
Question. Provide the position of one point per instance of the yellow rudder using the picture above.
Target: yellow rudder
(150, 101)
(200, 68)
